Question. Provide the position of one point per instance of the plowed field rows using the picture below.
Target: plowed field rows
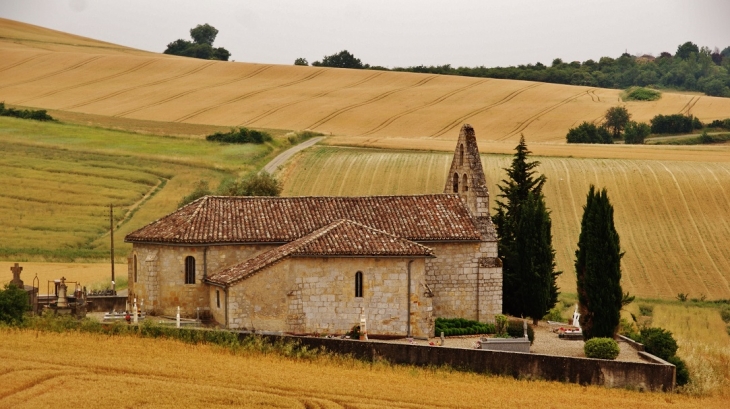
(71, 370)
(673, 217)
(47, 69)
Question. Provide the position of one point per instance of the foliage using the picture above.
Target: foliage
(301, 136)
(201, 47)
(301, 61)
(682, 297)
(587, 132)
(646, 309)
(658, 342)
(598, 268)
(343, 59)
(725, 313)
(13, 304)
(720, 123)
(201, 189)
(676, 123)
(354, 332)
(253, 184)
(642, 94)
(682, 372)
(555, 314)
(500, 325)
(636, 132)
(37, 115)
(461, 326)
(692, 68)
(240, 135)
(525, 240)
(601, 348)
(516, 329)
(615, 120)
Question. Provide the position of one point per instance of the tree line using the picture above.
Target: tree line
(690, 68)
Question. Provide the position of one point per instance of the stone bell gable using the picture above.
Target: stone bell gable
(466, 178)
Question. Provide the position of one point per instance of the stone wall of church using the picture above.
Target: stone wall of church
(466, 280)
(161, 274)
(308, 295)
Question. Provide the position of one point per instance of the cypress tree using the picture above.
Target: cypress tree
(598, 268)
(525, 241)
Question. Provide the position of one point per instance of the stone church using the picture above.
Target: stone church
(315, 264)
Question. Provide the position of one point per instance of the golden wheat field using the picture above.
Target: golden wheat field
(78, 370)
(52, 70)
(673, 216)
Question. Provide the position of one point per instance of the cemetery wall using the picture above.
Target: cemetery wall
(584, 371)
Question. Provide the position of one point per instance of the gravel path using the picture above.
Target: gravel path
(546, 343)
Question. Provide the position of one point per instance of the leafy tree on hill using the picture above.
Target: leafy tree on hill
(616, 119)
(201, 47)
(685, 50)
(598, 269)
(636, 132)
(301, 61)
(525, 240)
(587, 132)
(343, 59)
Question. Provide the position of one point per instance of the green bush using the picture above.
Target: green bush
(301, 136)
(658, 342)
(642, 94)
(39, 115)
(677, 123)
(515, 329)
(646, 309)
(13, 304)
(682, 371)
(601, 348)
(588, 133)
(461, 326)
(717, 123)
(240, 135)
(636, 133)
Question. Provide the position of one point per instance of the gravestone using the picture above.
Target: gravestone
(16, 269)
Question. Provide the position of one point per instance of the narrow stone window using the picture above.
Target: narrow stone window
(465, 182)
(218, 298)
(358, 284)
(135, 268)
(461, 157)
(456, 183)
(189, 270)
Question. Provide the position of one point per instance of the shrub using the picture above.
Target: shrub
(658, 342)
(253, 184)
(516, 329)
(677, 123)
(240, 135)
(642, 94)
(646, 309)
(13, 304)
(717, 123)
(555, 314)
(601, 348)
(39, 115)
(301, 136)
(588, 133)
(461, 326)
(636, 132)
(682, 371)
(725, 313)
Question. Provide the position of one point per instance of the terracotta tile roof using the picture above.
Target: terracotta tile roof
(341, 238)
(224, 219)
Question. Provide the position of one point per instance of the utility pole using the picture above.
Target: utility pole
(111, 227)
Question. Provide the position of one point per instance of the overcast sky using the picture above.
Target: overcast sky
(396, 32)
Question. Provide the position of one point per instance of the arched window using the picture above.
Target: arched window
(461, 159)
(456, 183)
(358, 284)
(135, 268)
(465, 183)
(189, 270)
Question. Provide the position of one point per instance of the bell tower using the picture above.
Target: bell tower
(466, 178)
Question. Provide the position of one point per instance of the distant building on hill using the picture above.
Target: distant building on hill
(315, 264)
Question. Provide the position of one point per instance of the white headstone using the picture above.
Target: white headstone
(576, 318)
(178, 317)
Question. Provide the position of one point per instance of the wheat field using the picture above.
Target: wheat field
(52, 70)
(79, 370)
(673, 217)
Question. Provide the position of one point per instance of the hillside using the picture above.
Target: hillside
(52, 70)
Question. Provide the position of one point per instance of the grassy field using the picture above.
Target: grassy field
(673, 216)
(59, 180)
(40, 369)
(51, 70)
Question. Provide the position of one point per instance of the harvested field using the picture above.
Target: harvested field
(51, 70)
(38, 369)
(673, 216)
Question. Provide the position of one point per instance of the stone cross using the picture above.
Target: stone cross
(16, 269)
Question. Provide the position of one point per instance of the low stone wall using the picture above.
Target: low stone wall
(584, 371)
(106, 303)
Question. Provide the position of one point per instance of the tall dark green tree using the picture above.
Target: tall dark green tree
(598, 268)
(525, 241)
(616, 119)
